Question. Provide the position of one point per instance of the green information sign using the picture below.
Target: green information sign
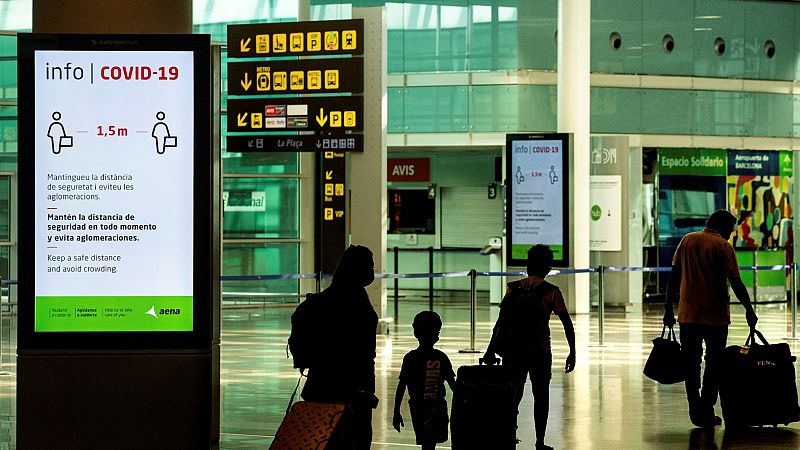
(787, 165)
(520, 251)
(108, 313)
(596, 212)
(697, 162)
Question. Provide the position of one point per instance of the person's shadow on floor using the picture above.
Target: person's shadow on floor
(745, 438)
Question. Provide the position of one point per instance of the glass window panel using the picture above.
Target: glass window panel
(8, 138)
(452, 43)
(506, 50)
(615, 16)
(661, 17)
(420, 32)
(8, 70)
(768, 115)
(539, 106)
(715, 19)
(331, 12)
(436, 109)
(395, 107)
(769, 21)
(616, 110)
(536, 41)
(506, 14)
(261, 208)
(481, 14)
(494, 108)
(262, 163)
(260, 259)
(667, 111)
(481, 48)
(395, 38)
(454, 17)
(719, 113)
(244, 11)
(394, 16)
(420, 17)
(5, 212)
(796, 121)
(16, 15)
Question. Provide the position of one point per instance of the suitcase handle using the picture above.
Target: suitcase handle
(483, 361)
(751, 338)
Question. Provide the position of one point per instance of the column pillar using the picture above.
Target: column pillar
(574, 22)
(368, 211)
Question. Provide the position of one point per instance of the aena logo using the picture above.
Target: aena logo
(169, 311)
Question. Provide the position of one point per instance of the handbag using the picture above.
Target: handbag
(664, 363)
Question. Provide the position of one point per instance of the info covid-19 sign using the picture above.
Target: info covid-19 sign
(537, 173)
(113, 229)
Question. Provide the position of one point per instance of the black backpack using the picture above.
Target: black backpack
(520, 311)
(307, 320)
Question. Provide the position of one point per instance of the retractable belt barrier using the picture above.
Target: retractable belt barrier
(473, 274)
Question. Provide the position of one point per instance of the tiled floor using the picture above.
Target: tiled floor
(606, 403)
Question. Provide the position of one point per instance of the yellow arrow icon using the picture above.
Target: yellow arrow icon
(321, 117)
(246, 83)
(241, 119)
(328, 174)
(244, 45)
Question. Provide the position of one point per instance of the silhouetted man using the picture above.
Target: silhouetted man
(703, 264)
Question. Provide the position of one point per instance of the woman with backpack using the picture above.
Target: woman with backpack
(337, 328)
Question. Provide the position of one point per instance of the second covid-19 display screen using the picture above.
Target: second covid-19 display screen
(113, 219)
(536, 178)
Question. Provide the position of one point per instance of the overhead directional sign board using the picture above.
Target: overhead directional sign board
(273, 118)
(296, 114)
(295, 143)
(332, 208)
(264, 107)
(305, 76)
(330, 37)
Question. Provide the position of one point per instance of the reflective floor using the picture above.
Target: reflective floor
(606, 403)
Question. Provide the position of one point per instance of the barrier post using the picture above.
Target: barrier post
(319, 281)
(793, 300)
(755, 279)
(601, 304)
(430, 280)
(473, 274)
(2, 307)
(396, 289)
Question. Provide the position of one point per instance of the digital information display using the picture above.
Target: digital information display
(113, 203)
(537, 197)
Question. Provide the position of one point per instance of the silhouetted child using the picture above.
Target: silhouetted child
(521, 335)
(424, 371)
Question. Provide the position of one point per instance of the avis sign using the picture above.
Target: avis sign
(408, 169)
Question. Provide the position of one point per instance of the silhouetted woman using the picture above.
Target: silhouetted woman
(345, 371)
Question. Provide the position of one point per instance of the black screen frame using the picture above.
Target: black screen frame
(565, 155)
(200, 337)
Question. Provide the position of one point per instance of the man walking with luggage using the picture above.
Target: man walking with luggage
(522, 334)
(703, 261)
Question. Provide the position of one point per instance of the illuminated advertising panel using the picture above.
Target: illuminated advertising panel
(536, 209)
(115, 155)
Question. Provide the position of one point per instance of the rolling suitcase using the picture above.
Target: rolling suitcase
(758, 384)
(484, 410)
(314, 426)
